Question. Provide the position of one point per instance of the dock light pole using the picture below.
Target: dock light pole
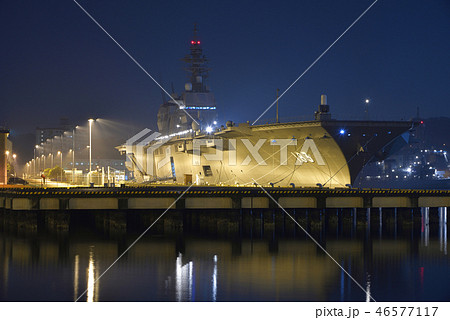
(73, 169)
(15, 163)
(34, 153)
(90, 148)
(60, 153)
(73, 154)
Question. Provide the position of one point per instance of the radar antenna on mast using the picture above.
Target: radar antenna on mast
(197, 64)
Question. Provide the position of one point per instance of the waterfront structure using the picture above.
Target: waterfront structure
(47, 133)
(191, 148)
(111, 169)
(3, 155)
(204, 197)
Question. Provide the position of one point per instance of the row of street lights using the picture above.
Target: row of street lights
(14, 156)
(37, 158)
(60, 153)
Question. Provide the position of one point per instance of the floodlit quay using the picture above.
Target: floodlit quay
(163, 197)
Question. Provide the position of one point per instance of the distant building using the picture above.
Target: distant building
(42, 134)
(9, 146)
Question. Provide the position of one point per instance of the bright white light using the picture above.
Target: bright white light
(367, 100)
(209, 129)
(342, 131)
(215, 122)
(408, 170)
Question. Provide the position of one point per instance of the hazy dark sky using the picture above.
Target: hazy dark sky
(55, 62)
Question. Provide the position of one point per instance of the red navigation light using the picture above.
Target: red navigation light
(192, 42)
(421, 121)
(198, 42)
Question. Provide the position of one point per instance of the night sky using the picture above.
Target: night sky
(55, 62)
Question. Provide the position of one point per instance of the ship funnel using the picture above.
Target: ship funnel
(323, 99)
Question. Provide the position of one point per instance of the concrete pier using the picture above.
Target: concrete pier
(266, 224)
(211, 197)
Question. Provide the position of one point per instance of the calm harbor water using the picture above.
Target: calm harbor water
(396, 255)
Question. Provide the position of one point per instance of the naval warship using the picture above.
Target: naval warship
(190, 147)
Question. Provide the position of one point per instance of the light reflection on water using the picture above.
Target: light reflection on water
(425, 226)
(184, 278)
(76, 275)
(214, 280)
(443, 229)
(392, 260)
(91, 283)
(368, 288)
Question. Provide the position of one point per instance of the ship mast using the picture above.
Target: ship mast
(197, 64)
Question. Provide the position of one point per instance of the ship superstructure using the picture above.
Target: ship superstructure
(188, 149)
(195, 108)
